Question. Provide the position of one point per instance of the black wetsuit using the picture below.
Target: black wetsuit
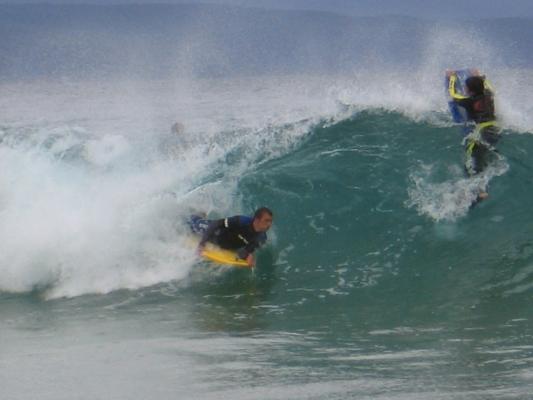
(233, 233)
(480, 110)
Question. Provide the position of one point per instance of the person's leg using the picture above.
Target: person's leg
(491, 135)
(198, 224)
(477, 156)
(476, 160)
(471, 164)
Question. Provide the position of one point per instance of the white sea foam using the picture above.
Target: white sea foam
(94, 185)
(450, 199)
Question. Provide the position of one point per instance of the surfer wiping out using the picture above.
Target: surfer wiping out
(242, 233)
(483, 132)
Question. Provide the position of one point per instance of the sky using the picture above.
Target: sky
(449, 9)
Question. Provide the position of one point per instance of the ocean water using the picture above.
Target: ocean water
(379, 281)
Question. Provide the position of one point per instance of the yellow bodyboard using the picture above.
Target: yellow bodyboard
(222, 256)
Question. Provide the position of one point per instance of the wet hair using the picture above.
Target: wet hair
(475, 84)
(262, 211)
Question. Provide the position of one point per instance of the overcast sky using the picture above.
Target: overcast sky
(471, 9)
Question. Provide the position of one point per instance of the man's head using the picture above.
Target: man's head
(262, 219)
(475, 85)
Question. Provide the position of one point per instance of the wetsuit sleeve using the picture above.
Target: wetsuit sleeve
(252, 246)
(209, 232)
(466, 102)
(457, 97)
(236, 222)
(488, 86)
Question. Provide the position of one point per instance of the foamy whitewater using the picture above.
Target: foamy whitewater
(379, 281)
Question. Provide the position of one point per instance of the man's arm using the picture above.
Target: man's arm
(451, 89)
(247, 250)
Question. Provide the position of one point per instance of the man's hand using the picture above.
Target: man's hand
(250, 260)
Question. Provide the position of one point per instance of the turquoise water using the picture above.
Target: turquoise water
(379, 281)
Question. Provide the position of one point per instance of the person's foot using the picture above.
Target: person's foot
(482, 196)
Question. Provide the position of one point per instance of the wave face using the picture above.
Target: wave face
(379, 281)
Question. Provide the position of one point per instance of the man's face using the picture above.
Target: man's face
(263, 223)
